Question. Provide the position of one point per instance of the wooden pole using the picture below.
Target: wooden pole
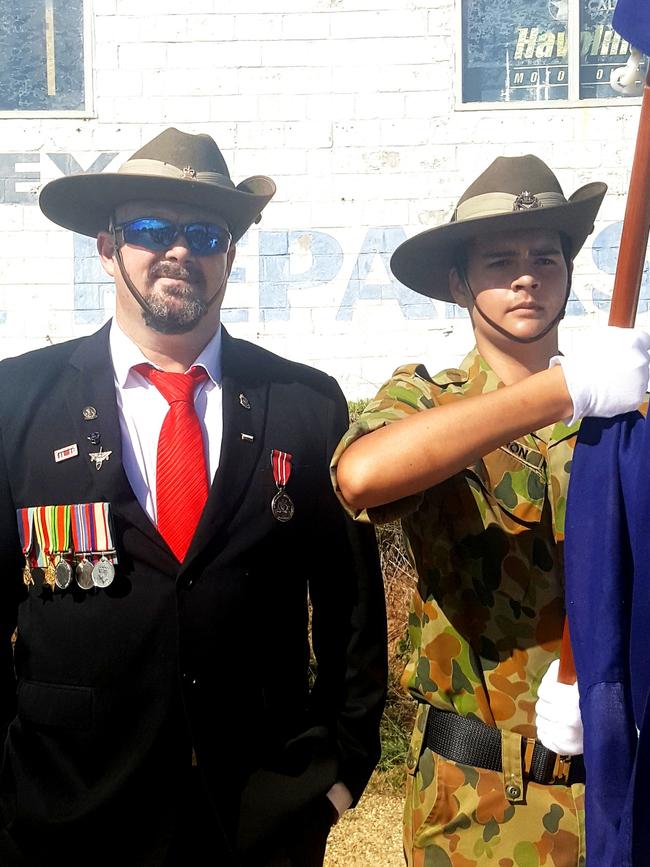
(634, 237)
(627, 281)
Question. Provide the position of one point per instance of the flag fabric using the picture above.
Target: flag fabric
(607, 551)
(632, 20)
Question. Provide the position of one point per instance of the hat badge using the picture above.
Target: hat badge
(189, 172)
(525, 201)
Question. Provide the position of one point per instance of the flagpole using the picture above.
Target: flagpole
(634, 237)
(627, 281)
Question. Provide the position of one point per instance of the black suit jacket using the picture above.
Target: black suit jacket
(110, 690)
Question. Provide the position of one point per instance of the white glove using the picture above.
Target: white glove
(608, 373)
(559, 724)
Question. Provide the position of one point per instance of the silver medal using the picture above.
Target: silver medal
(103, 572)
(62, 574)
(84, 574)
(282, 507)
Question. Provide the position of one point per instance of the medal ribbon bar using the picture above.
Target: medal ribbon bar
(74, 530)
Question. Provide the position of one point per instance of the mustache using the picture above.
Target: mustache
(175, 271)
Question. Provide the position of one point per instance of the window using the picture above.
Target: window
(539, 50)
(42, 55)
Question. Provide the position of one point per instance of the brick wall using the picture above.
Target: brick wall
(349, 105)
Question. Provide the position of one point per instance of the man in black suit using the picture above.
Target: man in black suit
(157, 707)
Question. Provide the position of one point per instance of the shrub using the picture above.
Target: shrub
(399, 581)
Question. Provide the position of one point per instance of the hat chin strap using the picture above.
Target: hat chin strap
(503, 331)
(144, 304)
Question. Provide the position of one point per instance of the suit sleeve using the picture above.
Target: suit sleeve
(348, 627)
(12, 591)
(599, 587)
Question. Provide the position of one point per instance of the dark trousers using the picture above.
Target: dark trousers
(306, 842)
(199, 841)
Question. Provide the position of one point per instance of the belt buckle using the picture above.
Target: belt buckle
(561, 765)
(529, 747)
(561, 769)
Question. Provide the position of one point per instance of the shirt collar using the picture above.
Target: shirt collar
(126, 354)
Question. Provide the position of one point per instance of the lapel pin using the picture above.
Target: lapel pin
(248, 438)
(89, 413)
(244, 401)
(94, 438)
(66, 452)
(99, 457)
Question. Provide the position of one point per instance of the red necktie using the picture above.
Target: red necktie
(181, 475)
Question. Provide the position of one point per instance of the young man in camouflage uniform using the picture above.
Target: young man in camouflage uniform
(475, 462)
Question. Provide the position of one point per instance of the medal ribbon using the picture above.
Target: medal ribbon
(80, 530)
(42, 537)
(102, 526)
(103, 521)
(25, 529)
(281, 463)
(89, 518)
(51, 520)
(26, 533)
(101, 530)
(36, 556)
(61, 529)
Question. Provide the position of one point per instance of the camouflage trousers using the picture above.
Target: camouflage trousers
(459, 816)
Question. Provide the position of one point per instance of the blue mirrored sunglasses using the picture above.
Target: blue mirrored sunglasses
(156, 233)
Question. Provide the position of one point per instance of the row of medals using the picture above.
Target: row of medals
(86, 573)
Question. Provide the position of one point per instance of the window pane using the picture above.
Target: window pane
(41, 55)
(514, 50)
(601, 49)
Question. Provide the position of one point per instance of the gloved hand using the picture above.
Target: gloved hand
(607, 373)
(559, 724)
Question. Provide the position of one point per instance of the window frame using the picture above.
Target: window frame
(573, 51)
(87, 111)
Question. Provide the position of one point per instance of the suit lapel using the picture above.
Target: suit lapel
(95, 396)
(245, 400)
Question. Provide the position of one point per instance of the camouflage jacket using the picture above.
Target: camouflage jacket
(486, 618)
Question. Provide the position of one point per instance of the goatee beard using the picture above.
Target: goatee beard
(177, 318)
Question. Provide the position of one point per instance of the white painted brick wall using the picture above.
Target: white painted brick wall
(350, 106)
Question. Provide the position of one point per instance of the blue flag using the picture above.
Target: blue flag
(607, 556)
(632, 20)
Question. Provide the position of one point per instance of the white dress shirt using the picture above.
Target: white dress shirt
(142, 409)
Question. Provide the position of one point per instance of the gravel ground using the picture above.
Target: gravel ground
(370, 835)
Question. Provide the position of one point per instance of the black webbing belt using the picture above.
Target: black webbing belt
(471, 742)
